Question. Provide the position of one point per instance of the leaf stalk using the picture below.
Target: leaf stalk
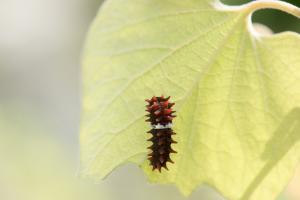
(262, 4)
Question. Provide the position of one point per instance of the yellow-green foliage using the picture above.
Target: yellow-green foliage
(236, 92)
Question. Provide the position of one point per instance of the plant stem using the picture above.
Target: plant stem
(262, 4)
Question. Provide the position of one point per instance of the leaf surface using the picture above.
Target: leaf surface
(236, 93)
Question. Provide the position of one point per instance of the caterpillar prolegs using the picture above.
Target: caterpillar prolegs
(160, 117)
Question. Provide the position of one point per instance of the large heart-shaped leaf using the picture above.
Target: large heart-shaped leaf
(236, 93)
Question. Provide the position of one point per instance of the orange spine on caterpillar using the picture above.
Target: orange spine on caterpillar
(160, 117)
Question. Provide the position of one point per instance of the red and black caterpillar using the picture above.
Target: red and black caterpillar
(160, 116)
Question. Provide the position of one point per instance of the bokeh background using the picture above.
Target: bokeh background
(40, 50)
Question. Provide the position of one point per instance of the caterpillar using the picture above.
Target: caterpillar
(160, 116)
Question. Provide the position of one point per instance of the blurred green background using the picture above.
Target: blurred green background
(40, 49)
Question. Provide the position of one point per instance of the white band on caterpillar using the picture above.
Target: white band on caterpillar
(160, 126)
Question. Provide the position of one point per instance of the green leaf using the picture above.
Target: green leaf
(236, 93)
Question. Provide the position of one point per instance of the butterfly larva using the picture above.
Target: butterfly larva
(160, 117)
